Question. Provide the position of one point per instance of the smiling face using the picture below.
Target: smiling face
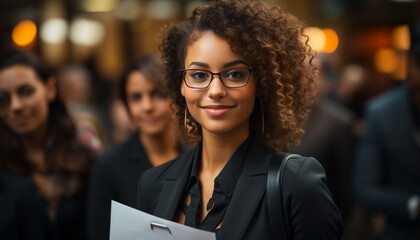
(150, 111)
(218, 109)
(24, 99)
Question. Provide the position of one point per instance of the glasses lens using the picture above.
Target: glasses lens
(197, 78)
(235, 77)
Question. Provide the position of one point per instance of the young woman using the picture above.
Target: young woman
(242, 81)
(39, 140)
(117, 171)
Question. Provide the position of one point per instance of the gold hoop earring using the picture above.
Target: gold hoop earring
(262, 117)
(185, 123)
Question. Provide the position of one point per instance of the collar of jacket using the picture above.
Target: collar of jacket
(251, 186)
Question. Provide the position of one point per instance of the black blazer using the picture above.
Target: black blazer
(22, 212)
(309, 203)
(115, 177)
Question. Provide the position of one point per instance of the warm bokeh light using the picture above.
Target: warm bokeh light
(191, 5)
(331, 40)
(86, 32)
(24, 33)
(401, 37)
(54, 31)
(386, 60)
(162, 9)
(400, 72)
(316, 38)
(128, 10)
(99, 5)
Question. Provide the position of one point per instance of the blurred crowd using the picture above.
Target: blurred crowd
(64, 156)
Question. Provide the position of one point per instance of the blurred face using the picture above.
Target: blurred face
(218, 109)
(150, 111)
(24, 99)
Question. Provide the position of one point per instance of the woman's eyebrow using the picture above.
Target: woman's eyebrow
(226, 65)
(233, 63)
(200, 64)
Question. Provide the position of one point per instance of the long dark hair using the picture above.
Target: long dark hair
(65, 156)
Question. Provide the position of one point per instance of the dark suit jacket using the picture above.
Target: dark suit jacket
(22, 213)
(309, 203)
(115, 177)
(387, 171)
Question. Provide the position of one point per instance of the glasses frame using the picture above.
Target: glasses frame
(250, 70)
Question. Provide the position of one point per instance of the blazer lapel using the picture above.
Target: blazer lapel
(248, 193)
(174, 186)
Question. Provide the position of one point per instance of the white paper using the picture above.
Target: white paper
(131, 224)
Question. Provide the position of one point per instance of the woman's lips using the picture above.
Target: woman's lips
(19, 120)
(217, 111)
(149, 121)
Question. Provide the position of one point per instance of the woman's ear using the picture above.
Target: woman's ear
(51, 89)
(182, 89)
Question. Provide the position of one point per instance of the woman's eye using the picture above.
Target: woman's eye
(235, 74)
(135, 97)
(157, 95)
(199, 75)
(26, 91)
(4, 101)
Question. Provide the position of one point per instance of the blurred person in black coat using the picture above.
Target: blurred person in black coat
(23, 214)
(329, 138)
(387, 172)
(116, 172)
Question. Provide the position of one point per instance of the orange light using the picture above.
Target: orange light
(401, 37)
(386, 60)
(331, 40)
(24, 33)
(316, 38)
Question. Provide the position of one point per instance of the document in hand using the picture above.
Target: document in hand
(131, 224)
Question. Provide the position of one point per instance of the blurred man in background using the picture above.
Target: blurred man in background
(387, 171)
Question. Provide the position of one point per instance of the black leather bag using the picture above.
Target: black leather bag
(279, 222)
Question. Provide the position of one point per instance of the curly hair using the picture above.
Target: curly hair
(273, 41)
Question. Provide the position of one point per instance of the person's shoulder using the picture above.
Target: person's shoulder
(152, 180)
(18, 186)
(14, 181)
(389, 101)
(303, 172)
(119, 153)
(168, 169)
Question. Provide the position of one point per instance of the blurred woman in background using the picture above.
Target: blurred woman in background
(39, 140)
(116, 172)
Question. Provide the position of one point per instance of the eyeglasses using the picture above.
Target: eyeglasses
(231, 78)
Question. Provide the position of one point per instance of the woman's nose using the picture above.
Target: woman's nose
(16, 103)
(147, 103)
(217, 89)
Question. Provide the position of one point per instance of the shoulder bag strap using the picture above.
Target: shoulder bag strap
(280, 228)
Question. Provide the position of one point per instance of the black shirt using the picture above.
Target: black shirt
(224, 186)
